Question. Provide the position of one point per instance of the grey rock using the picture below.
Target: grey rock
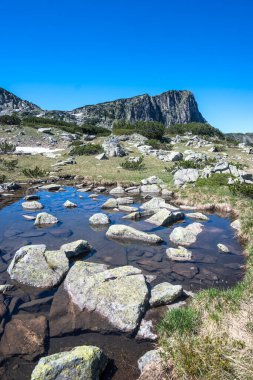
(164, 294)
(76, 248)
(164, 217)
(34, 266)
(186, 235)
(223, 248)
(120, 295)
(43, 218)
(81, 363)
(99, 219)
(148, 358)
(197, 215)
(32, 205)
(183, 176)
(150, 189)
(51, 187)
(69, 204)
(179, 254)
(122, 232)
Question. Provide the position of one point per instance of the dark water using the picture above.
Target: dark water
(208, 267)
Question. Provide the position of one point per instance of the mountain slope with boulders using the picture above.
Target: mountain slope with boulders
(171, 107)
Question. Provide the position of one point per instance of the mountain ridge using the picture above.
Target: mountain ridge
(169, 107)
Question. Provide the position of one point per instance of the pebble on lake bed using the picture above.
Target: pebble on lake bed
(223, 248)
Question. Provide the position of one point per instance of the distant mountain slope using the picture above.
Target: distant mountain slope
(169, 108)
(242, 137)
(10, 103)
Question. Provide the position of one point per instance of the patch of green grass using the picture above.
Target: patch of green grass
(2, 178)
(215, 180)
(181, 321)
(157, 144)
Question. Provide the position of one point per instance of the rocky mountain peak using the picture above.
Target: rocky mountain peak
(10, 103)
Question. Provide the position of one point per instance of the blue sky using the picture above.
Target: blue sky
(62, 54)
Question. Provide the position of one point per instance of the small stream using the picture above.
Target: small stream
(207, 269)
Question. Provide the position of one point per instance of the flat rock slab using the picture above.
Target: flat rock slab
(81, 363)
(164, 217)
(51, 187)
(156, 203)
(119, 295)
(24, 336)
(32, 265)
(197, 216)
(32, 205)
(122, 232)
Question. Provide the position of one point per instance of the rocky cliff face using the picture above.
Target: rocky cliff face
(169, 108)
(10, 103)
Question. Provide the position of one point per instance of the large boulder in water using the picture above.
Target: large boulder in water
(33, 265)
(99, 219)
(186, 235)
(119, 295)
(32, 205)
(43, 218)
(164, 294)
(81, 363)
(122, 232)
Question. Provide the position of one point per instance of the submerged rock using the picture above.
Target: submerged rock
(120, 295)
(164, 294)
(32, 205)
(45, 218)
(81, 363)
(34, 266)
(186, 235)
(148, 358)
(99, 219)
(223, 248)
(197, 215)
(24, 335)
(164, 217)
(179, 254)
(120, 231)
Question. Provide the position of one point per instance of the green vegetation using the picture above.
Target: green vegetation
(190, 165)
(86, 150)
(65, 126)
(201, 129)
(132, 165)
(9, 164)
(242, 189)
(149, 129)
(6, 147)
(215, 180)
(181, 321)
(10, 120)
(34, 173)
(2, 177)
(157, 144)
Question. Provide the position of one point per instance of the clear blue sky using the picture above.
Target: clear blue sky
(61, 54)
